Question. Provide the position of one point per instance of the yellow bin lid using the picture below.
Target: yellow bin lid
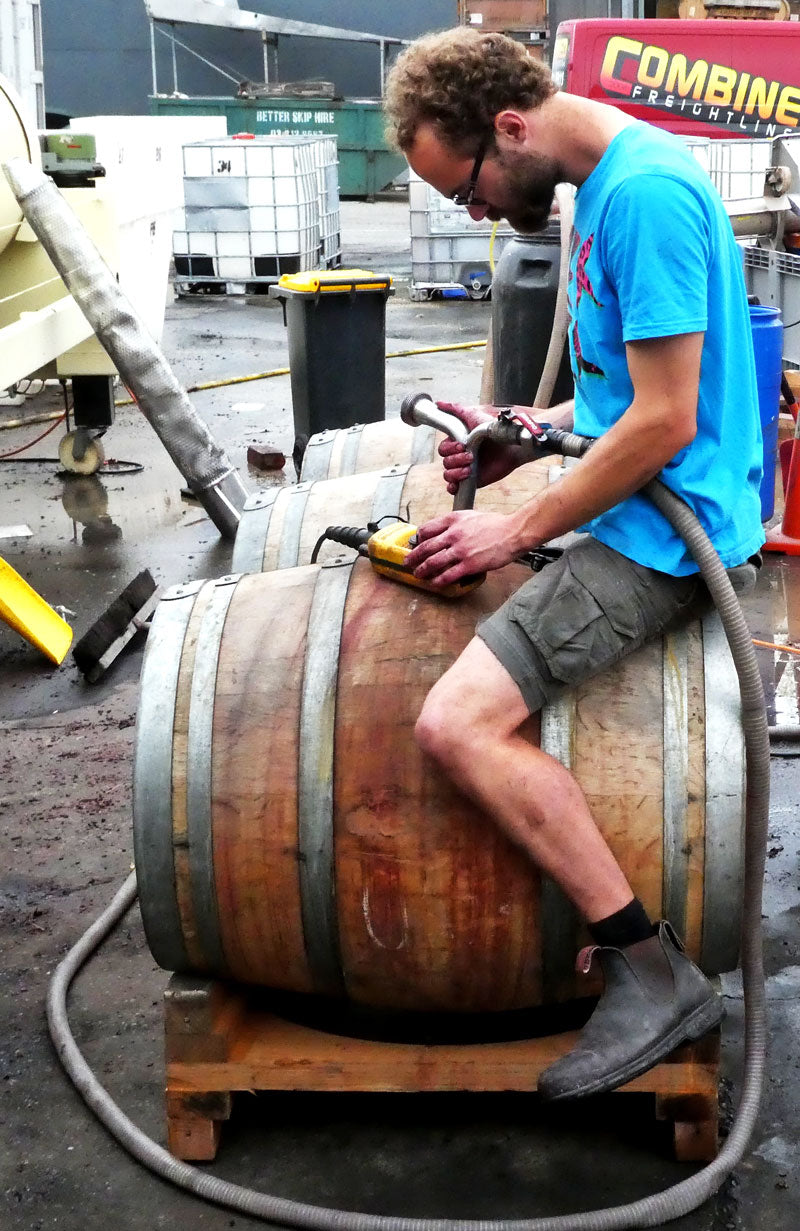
(314, 281)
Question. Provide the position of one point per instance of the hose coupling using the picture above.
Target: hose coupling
(568, 444)
(515, 426)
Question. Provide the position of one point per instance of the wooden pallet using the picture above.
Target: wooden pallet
(217, 1042)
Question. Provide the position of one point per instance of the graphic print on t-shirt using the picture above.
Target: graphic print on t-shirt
(582, 286)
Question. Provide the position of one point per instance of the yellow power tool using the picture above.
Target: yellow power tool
(387, 549)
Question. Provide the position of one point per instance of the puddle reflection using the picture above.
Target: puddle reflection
(85, 502)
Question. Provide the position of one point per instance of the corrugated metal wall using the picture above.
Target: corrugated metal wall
(97, 52)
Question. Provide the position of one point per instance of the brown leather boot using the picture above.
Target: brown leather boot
(655, 998)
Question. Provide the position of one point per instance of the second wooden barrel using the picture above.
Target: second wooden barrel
(289, 833)
(367, 446)
(280, 526)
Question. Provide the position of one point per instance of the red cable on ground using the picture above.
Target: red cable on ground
(31, 443)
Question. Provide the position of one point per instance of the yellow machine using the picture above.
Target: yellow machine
(387, 549)
(42, 329)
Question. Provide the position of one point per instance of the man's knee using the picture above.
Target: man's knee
(476, 700)
(435, 730)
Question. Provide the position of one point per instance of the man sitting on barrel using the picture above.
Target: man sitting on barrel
(661, 355)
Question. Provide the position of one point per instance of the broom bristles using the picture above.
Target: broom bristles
(91, 647)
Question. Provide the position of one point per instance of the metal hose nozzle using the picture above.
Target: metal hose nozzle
(418, 409)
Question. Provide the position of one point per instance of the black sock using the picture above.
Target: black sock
(623, 928)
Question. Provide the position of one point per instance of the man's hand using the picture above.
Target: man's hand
(494, 461)
(460, 544)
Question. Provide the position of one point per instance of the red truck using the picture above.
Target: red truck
(696, 78)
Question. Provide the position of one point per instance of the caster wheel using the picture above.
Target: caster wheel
(93, 456)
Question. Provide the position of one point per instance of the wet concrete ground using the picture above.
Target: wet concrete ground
(65, 845)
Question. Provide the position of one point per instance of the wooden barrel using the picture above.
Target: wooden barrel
(367, 446)
(280, 526)
(289, 833)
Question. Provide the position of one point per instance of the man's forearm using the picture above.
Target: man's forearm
(619, 464)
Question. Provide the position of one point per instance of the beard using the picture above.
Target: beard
(531, 180)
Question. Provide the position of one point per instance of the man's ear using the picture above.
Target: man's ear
(512, 126)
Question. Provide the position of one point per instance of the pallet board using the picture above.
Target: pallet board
(219, 1042)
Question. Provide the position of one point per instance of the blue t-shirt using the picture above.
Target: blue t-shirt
(653, 256)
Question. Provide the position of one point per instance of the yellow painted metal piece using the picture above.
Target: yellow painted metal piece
(26, 611)
(39, 321)
(388, 549)
(322, 280)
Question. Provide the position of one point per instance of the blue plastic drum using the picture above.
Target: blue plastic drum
(767, 329)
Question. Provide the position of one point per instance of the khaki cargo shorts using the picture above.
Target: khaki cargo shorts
(585, 611)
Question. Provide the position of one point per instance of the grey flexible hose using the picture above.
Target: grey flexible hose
(565, 195)
(784, 731)
(140, 362)
(757, 752)
(650, 1211)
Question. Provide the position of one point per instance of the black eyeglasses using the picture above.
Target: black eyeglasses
(466, 198)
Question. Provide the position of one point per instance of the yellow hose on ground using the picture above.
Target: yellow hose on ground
(241, 380)
(11, 423)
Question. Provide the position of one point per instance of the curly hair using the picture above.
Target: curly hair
(459, 80)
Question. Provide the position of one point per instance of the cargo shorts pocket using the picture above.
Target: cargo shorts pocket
(571, 631)
(594, 608)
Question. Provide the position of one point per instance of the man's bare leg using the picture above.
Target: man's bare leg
(654, 997)
(470, 725)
